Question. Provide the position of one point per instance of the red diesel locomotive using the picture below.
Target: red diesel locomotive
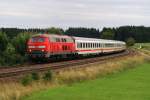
(46, 45)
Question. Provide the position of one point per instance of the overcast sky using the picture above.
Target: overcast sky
(73, 13)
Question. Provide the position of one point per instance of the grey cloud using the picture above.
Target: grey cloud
(65, 13)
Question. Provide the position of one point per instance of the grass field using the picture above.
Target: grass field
(133, 84)
(143, 47)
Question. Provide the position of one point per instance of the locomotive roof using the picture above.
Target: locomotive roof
(52, 35)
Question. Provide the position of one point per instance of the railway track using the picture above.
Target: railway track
(16, 71)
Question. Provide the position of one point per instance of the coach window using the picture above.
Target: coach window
(87, 45)
(78, 45)
(104, 45)
(93, 45)
(90, 45)
(97, 45)
(64, 40)
(81, 45)
(57, 40)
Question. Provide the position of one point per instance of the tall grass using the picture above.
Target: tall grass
(98, 70)
(14, 90)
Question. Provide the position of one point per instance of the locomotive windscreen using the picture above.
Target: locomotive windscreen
(38, 39)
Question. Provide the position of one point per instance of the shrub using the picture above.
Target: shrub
(130, 41)
(3, 42)
(47, 76)
(20, 41)
(10, 56)
(35, 76)
(54, 30)
(26, 80)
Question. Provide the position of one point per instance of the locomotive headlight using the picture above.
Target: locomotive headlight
(42, 46)
(31, 46)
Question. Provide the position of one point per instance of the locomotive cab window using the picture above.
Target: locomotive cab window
(38, 39)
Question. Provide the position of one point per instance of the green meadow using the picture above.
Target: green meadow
(133, 84)
(142, 46)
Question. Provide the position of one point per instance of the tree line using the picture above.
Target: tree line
(139, 33)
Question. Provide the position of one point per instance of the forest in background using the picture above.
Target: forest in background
(139, 33)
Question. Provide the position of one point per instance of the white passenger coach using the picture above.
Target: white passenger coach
(97, 46)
